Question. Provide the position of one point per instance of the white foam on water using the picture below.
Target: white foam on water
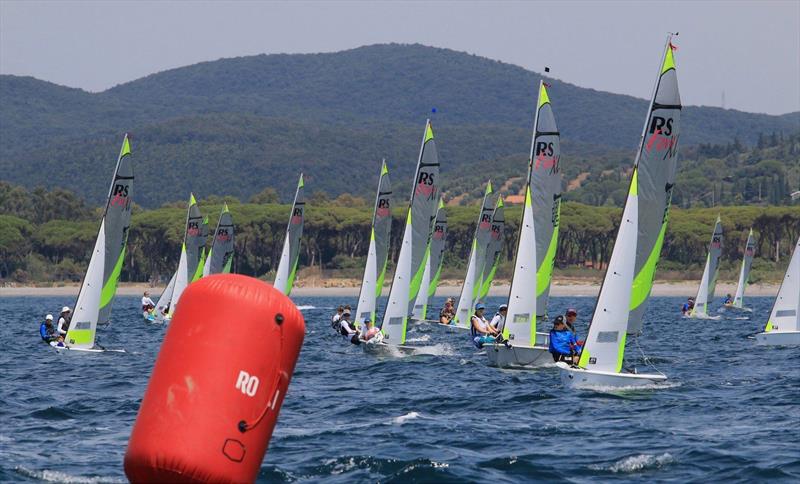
(405, 418)
(56, 476)
(637, 463)
(440, 349)
(304, 308)
(420, 339)
(630, 388)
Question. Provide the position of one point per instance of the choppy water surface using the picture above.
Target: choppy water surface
(730, 413)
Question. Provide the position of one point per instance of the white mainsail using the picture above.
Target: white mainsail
(783, 326)
(708, 283)
(744, 273)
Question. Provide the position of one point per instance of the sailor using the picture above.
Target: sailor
(63, 321)
(499, 320)
(481, 331)
(571, 316)
(728, 300)
(337, 316)
(687, 306)
(371, 330)
(563, 345)
(146, 301)
(46, 329)
(345, 326)
(448, 311)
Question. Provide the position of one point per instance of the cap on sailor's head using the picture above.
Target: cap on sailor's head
(346, 313)
(65, 309)
(479, 306)
(503, 307)
(571, 312)
(691, 299)
(49, 317)
(559, 320)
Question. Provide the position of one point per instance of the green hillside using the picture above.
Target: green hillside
(235, 126)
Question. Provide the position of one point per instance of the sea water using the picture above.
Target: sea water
(730, 412)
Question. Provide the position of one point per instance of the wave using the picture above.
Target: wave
(405, 418)
(637, 463)
(57, 476)
(306, 307)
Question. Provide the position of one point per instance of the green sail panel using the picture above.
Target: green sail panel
(544, 180)
(99, 285)
(656, 162)
(378, 251)
(494, 249)
(744, 273)
(414, 247)
(222, 247)
(287, 266)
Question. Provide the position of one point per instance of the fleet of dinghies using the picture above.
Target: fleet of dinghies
(621, 303)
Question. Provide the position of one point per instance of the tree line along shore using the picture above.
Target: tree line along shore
(47, 236)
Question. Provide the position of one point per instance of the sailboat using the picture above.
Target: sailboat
(414, 248)
(783, 326)
(287, 267)
(99, 285)
(220, 256)
(640, 236)
(433, 265)
(744, 273)
(495, 248)
(194, 240)
(378, 252)
(705, 293)
(198, 272)
(536, 247)
(470, 290)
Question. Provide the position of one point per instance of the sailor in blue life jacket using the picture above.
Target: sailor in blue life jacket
(687, 306)
(46, 330)
(481, 331)
(728, 300)
(563, 345)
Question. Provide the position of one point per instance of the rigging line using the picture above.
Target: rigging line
(646, 360)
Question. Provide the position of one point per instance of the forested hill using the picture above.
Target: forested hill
(234, 126)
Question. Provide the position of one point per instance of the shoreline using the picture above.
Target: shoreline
(564, 288)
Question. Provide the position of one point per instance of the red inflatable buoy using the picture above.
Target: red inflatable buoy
(218, 383)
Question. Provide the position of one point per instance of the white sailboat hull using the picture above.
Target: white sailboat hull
(788, 338)
(573, 377)
(518, 357)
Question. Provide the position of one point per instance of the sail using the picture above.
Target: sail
(287, 267)
(164, 300)
(605, 341)
(100, 283)
(705, 293)
(494, 250)
(604, 348)
(433, 265)
(181, 280)
(544, 181)
(470, 290)
(378, 252)
(201, 264)
(656, 162)
(221, 253)
(744, 273)
(195, 239)
(785, 314)
(538, 234)
(411, 261)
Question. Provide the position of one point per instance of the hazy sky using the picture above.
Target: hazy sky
(748, 49)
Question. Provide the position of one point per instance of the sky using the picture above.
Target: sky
(745, 51)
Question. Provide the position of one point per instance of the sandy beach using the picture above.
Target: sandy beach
(450, 288)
